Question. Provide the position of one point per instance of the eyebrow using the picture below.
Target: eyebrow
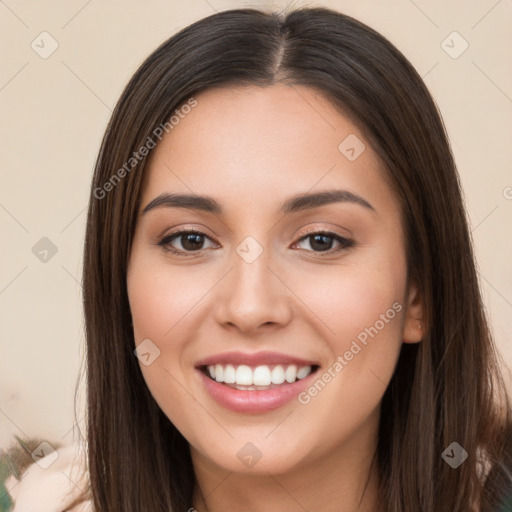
(293, 204)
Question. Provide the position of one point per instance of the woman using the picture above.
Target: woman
(281, 302)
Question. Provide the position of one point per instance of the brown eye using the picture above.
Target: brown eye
(323, 241)
(190, 241)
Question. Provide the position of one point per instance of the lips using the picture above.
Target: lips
(255, 399)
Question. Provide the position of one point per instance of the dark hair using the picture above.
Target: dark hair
(446, 388)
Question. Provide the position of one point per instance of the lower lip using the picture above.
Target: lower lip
(254, 401)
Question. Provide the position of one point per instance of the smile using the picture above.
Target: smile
(254, 383)
(261, 377)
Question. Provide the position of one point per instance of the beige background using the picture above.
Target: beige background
(54, 112)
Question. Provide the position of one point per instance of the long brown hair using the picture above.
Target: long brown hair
(448, 388)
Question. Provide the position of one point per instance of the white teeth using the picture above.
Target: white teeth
(291, 373)
(219, 372)
(263, 375)
(303, 372)
(229, 374)
(278, 375)
(243, 375)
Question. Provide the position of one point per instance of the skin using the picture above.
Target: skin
(250, 149)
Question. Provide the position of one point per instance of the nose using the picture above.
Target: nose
(253, 297)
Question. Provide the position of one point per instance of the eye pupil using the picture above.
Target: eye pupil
(320, 242)
(193, 241)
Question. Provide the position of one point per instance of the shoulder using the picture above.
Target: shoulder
(53, 483)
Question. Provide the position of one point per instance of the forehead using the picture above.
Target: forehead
(251, 144)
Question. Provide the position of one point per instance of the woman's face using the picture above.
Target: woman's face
(320, 285)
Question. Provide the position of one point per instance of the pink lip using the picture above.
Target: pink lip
(254, 402)
(256, 359)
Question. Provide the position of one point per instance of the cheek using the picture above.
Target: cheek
(161, 298)
(360, 310)
(347, 300)
(162, 306)
(165, 302)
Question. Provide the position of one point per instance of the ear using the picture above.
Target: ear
(414, 326)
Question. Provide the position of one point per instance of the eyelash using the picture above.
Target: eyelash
(166, 241)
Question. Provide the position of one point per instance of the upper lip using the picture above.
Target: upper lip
(256, 359)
